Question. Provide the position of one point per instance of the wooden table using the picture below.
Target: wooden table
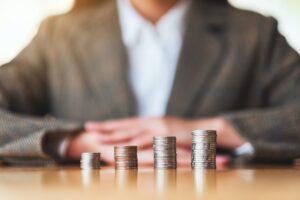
(71, 183)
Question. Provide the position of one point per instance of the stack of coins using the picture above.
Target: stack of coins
(204, 149)
(126, 157)
(165, 156)
(90, 161)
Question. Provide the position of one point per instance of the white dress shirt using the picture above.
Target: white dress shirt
(153, 52)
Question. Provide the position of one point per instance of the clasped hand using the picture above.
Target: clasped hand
(103, 136)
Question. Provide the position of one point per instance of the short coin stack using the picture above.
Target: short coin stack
(165, 156)
(204, 149)
(126, 157)
(90, 161)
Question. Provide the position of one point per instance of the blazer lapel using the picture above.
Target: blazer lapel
(201, 50)
(106, 64)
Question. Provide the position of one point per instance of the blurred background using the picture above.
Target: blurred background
(20, 19)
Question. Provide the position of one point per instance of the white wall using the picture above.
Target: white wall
(287, 12)
(19, 20)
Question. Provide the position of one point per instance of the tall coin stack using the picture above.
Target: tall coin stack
(204, 144)
(126, 157)
(165, 156)
(90, 161)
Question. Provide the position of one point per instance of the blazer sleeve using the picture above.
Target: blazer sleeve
(24, 96)
(274, 128)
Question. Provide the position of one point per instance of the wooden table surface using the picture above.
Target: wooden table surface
(72, 183)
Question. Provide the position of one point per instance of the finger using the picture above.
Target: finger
(97, 126)
(145, 157)
(97, 136)
(183, 157)
(107, 153)
(120, 136)
(92, 137)
(143, 141)
(222, 161)
(110, 125)
(183, 144)
(93, 126)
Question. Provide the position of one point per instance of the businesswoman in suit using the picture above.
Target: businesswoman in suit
(122, 71)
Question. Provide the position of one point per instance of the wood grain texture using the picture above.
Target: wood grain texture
(72, 183)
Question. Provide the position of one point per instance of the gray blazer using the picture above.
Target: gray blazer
(233, 64)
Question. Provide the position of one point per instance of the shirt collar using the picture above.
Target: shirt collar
(132, 23)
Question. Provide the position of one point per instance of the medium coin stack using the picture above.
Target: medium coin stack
(90, 161)
(204, 144)
(126, 157)
(165, 156)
